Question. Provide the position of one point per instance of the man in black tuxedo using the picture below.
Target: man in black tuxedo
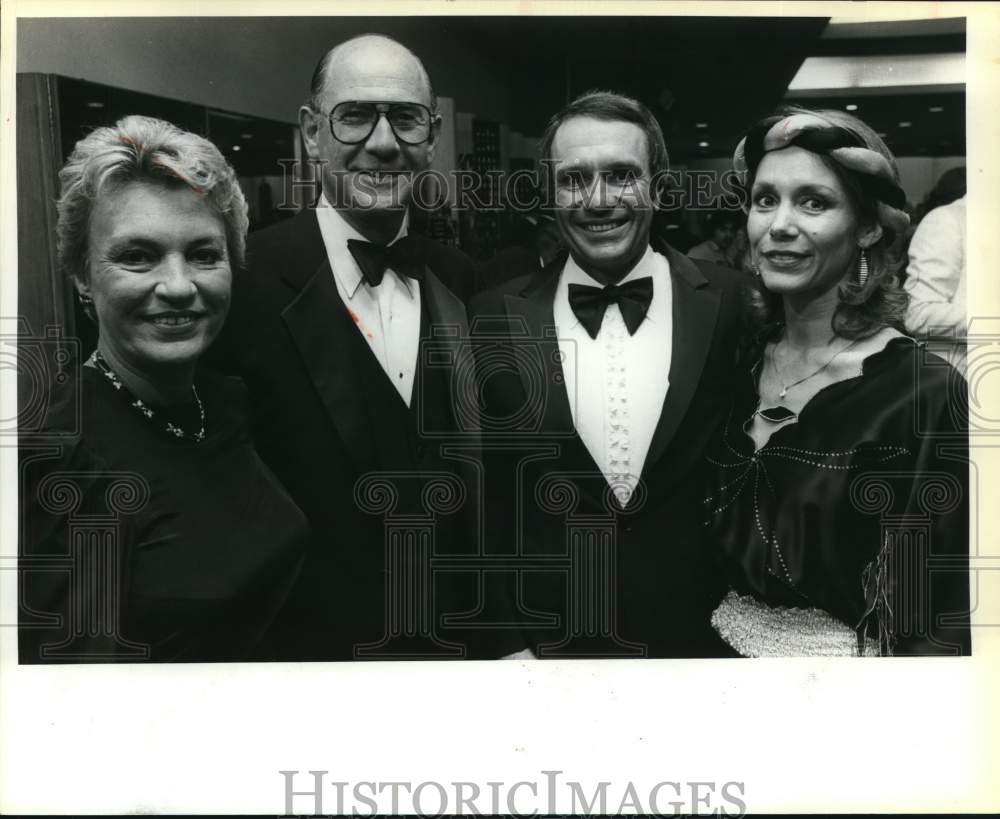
(346, 330)
(603, 377)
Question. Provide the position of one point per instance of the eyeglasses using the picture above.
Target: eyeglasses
(354, 121)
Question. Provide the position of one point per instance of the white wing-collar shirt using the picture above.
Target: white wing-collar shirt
(387, 316)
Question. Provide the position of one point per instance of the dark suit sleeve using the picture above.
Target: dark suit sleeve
(457, 271)
(257, 291)
(485, 313)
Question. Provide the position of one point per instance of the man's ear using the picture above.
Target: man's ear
(869, 235)
(433, 140)
(309, 123)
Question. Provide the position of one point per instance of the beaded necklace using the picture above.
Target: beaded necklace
(145, 410)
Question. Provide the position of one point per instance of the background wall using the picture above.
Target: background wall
(258, 66)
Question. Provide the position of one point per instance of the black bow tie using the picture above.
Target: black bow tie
(404, 256)
(633, 299)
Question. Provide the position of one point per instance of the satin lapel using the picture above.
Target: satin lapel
(695, 311)
(318, 325)
(450, 331)
(532, 323)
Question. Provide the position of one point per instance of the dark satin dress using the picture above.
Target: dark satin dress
(137, 546)
(852, 518)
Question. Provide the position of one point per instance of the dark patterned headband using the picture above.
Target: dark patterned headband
(814, 133)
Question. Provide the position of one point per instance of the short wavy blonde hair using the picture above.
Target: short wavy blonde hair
(143, 149)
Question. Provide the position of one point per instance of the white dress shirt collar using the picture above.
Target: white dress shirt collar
(336, 230)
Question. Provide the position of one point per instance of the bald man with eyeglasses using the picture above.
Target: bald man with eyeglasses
(347, 329)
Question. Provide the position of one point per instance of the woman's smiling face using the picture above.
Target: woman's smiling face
(159, 276)
(803, 228)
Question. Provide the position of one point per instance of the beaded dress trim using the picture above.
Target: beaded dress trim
(755, 629)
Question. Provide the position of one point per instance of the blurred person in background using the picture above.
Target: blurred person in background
(721, 246)
(936, 271)
(538, 245)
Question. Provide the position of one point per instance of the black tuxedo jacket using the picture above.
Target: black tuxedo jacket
(324, 414)
(588, 578)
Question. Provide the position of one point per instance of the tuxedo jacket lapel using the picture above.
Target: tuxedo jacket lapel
(317, 322)
(532, 325)
(694, 312)
(531, 322)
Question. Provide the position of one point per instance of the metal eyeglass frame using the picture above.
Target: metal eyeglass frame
(383, 112)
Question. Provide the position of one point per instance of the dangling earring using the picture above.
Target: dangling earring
(863, 268)
(87, 303)
(755, 268)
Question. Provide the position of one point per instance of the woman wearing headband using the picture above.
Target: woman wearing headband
(839, 499)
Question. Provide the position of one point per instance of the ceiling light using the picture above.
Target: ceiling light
(246, 136)
(936, 109)
(701, 125)
(236, 147)
(702, 144)
(905, 123)
(876, 71)
(851, 107)
(95, 104)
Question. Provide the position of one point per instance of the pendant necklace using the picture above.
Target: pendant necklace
(780, 414)
(786, 387)
(145, 410)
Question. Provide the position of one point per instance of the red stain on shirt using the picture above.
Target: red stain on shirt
(356, 320)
